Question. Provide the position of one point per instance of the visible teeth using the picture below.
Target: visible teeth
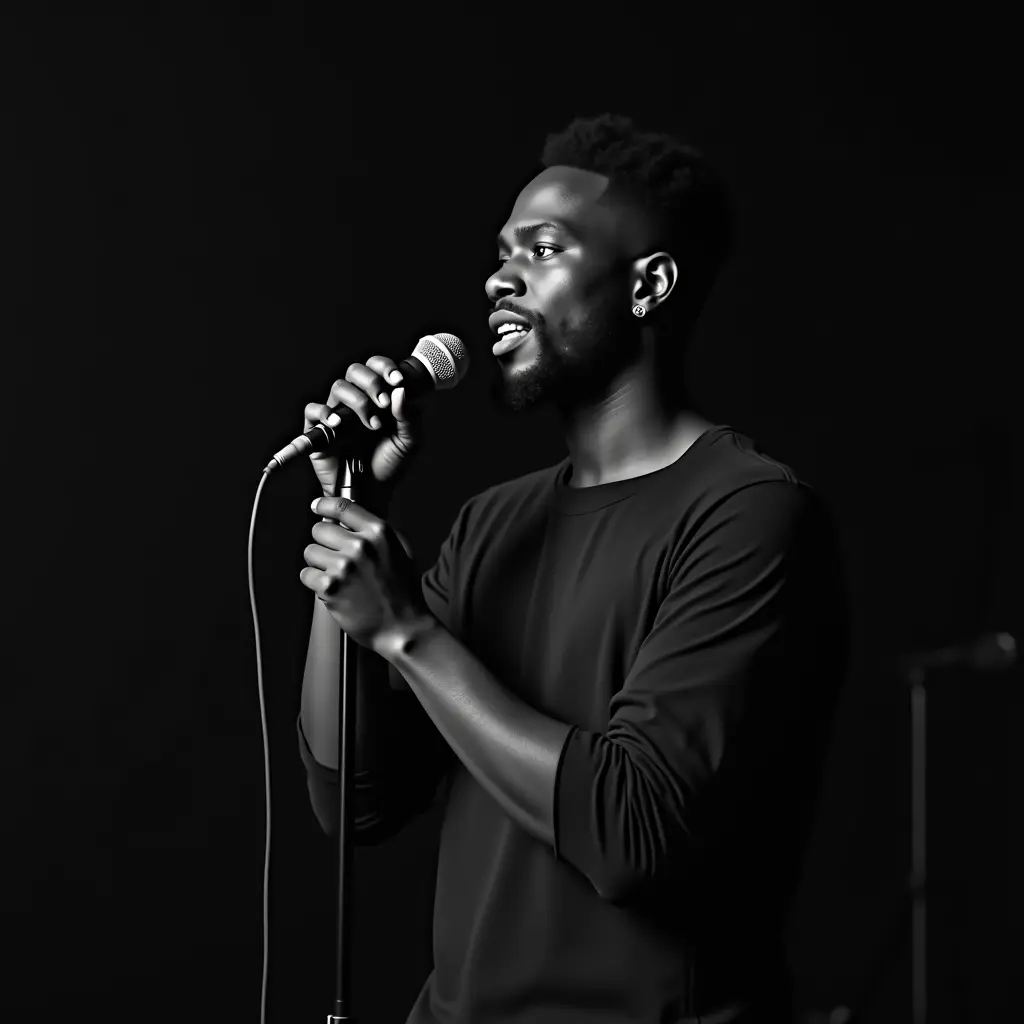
(510, 328)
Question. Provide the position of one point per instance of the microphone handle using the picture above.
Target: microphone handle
(417, 380)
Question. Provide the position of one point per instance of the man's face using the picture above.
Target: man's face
(572, 284)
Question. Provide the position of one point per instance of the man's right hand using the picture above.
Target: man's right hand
(367, 391)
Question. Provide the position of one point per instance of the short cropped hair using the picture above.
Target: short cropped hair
(673, 183)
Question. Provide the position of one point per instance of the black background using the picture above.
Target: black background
(205, 222)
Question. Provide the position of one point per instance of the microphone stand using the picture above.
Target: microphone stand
(346, 750)
(918, 720)
(992, 652)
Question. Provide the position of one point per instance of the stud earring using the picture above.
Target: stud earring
(639, 310)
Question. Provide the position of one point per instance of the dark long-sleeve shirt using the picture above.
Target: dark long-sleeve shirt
(691, 625)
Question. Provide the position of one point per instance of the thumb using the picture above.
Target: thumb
(404, 412)
(398, 404)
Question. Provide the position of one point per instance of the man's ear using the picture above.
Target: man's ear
(656, 278)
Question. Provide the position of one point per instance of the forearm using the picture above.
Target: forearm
(510, 748)
(321, 688)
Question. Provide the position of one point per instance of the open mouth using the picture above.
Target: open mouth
(519, 332)
(508, 340)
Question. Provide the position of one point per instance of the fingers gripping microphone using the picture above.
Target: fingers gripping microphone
(438, 362)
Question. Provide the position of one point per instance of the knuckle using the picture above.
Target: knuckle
(358, 546)
(347, 395)
(376, 531)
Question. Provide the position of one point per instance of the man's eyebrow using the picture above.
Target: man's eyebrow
(526, 230)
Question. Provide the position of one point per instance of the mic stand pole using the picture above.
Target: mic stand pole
(918, 721)
(989, 652)
(346, 750)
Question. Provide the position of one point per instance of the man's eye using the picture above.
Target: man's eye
(539, 245)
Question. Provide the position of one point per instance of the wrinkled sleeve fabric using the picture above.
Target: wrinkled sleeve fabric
(711, 714)
(385, 802)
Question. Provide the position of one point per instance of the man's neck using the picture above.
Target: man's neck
(687, 428)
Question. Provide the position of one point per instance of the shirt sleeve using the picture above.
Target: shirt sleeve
(383, 803)
(747, 649)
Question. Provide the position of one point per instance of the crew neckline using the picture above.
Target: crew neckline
(576, 500)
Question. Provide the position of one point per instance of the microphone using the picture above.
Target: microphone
(439, 361)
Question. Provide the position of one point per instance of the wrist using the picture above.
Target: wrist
(400, 638)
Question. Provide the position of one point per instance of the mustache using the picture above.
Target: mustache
(510, 307)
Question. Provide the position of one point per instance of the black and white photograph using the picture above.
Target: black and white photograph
(511, 515)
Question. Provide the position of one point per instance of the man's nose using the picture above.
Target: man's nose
(497, 285)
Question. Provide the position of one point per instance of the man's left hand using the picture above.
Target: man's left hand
(361, 570)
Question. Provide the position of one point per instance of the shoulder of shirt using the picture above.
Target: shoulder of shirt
(734, 473)
(739, 470)
(734, 456)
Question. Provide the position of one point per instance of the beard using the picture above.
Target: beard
(569, 365)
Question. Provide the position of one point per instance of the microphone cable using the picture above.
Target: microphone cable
(266, 752)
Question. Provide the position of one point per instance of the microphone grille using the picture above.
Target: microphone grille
(445, 357)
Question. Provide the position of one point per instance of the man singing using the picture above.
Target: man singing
(621, 670)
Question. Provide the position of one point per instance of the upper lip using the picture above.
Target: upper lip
(502, 316)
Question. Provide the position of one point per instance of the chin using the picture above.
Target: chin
(517, 392)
